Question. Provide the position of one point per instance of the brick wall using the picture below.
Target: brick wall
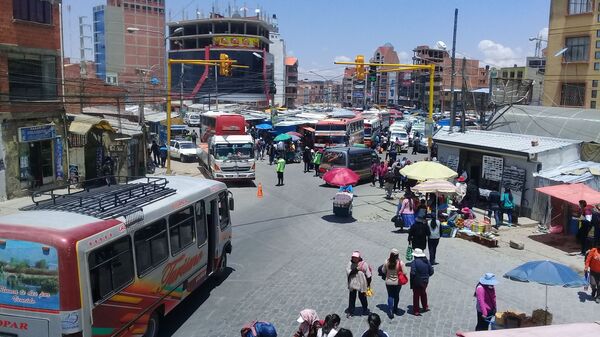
(28, 34)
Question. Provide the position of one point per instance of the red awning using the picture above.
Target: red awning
(308, 128)
(572, 193)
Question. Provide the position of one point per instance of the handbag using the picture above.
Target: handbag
(398, 221)
(402, 279)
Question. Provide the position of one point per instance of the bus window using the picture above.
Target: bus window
(223, 211)
(181, 229)
(111, 268)
(201, 234)
(334, 158)
(151, 246)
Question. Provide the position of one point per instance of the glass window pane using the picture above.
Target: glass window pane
(181, 229)
(111, 268)
(594, 83)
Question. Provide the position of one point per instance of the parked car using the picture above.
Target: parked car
(401, 137)
(184, 150)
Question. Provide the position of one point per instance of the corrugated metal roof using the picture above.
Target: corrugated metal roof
(575, 172)
(502, 141)
(569, 123)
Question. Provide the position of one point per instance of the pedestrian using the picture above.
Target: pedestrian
(485, 293)
(330, 326)
(374, 323)
(420, 271)
(406, 209)
(271, 153)
(389, 183)
(434, 237)
(374, 169)
(279, 168)
(164, 152)
(263, 144)
(309, 324)
(381, 171)
(344, 333)
(155, 149)
(392, 153)
(306, 158)
(258, 329)
(194, 136)
(358, 274)
(421, 210)
(418, 234)
(392, 268)
(507, 204)
(317, 161)
(397, 177)
(592, 266)
(472, 196)
(416, 142)
(494, 208)
(585, 216)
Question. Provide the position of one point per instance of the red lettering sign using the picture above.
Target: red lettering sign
(13, 325)
(176, 269)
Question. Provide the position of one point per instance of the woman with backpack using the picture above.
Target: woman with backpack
(374, 324)
(330, 326)
(395, 277)
(486, 300)
(309, 324)
(406, 209)
(507, 204)
(358, 275)
(420, 271)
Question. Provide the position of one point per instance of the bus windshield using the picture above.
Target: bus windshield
(28, 275)
(233, 151)
(331, 127)
(330, 140)
(367, 131)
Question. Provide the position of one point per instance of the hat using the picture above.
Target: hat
(395, 251)
(465, 210)
(300, 320)
(356, 253)
(489, 279)
(418, 252)
(461, 179)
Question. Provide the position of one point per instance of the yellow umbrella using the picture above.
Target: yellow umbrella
(425, 170)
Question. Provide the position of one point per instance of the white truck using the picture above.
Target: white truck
(229, 157)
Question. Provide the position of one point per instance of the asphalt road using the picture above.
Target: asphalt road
(290, 252)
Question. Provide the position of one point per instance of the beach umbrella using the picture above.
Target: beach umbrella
(435, 186)
(282, 137)
(264, 126)
(341, 176)
(548, 273)
(426, 170)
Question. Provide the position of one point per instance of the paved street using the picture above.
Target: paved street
(289, 253)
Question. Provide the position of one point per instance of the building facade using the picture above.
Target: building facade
(32, 147)
(243, 39)
(129, 41)
(277, 49)
(517, 85)
(573, 67)
(384, 90)
(291, 81)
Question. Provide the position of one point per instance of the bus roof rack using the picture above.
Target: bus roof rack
(104, 197)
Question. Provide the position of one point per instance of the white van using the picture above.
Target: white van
(192, 119)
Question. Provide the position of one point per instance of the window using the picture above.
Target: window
(593, 105)
(580, 6)
(181, 229)
(31, 77)
(594, 83)
(598, 31)
(39, 11)
(519, 74)
(505, 74)
(151, 246)
(223, 210)
(578, 48)
(597, 43)
(572, 94)
(111, 268)
(596, 66)
(201, 234)
(512, 74)
(597, 55)
(594, 93)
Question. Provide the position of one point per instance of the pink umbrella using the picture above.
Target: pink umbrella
(294, 133)
(341, 176)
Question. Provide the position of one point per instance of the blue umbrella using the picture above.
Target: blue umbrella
(547, 273)
(264, 126)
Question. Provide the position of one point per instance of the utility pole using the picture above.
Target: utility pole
(463, 96)
(453, 74)
(181, 91)
(216, 89)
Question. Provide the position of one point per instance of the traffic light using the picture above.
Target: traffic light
(372, 74)
(225, 67)
(360, 68)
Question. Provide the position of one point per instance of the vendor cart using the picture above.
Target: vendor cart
(342, 204)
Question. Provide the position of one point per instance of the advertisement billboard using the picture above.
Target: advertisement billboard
(236, 41)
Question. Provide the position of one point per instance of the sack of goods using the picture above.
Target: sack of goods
(343, 199)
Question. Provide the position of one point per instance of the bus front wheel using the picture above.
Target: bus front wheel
(153, 325)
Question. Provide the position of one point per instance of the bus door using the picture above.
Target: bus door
(210, 210)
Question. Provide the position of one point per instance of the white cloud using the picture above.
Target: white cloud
(342, 58)
(404, 57)
(498, 55)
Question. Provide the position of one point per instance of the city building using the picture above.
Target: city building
(291, 81)
(384, 90)
(424, 55)
(573, 62)
(244, 39)
(347, 86)
(129, 41)
(517, 85)
(277, 49)
(33, 117)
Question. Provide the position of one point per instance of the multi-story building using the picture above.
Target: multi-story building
(352, 91)
(291, 82)
(423, 55)
(573, 67)
(129, 41)
(347, 86)
(384, 90)
(243, 39)
(32, 135)
(522, 85)
(277, 49)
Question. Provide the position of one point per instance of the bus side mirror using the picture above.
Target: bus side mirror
(231, 204)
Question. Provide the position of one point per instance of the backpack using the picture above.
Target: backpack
(507, 201)
(255, 329)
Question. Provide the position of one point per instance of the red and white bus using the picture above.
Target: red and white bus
(339, 132)
(372, 130)
(221, 124)
(111, 261)
(395, 115)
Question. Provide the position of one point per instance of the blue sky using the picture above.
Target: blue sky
(319, 31)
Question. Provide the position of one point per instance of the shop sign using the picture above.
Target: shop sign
(492, 168)
(58, 158)
(236, 41)
(116, 148)
(37, 133)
